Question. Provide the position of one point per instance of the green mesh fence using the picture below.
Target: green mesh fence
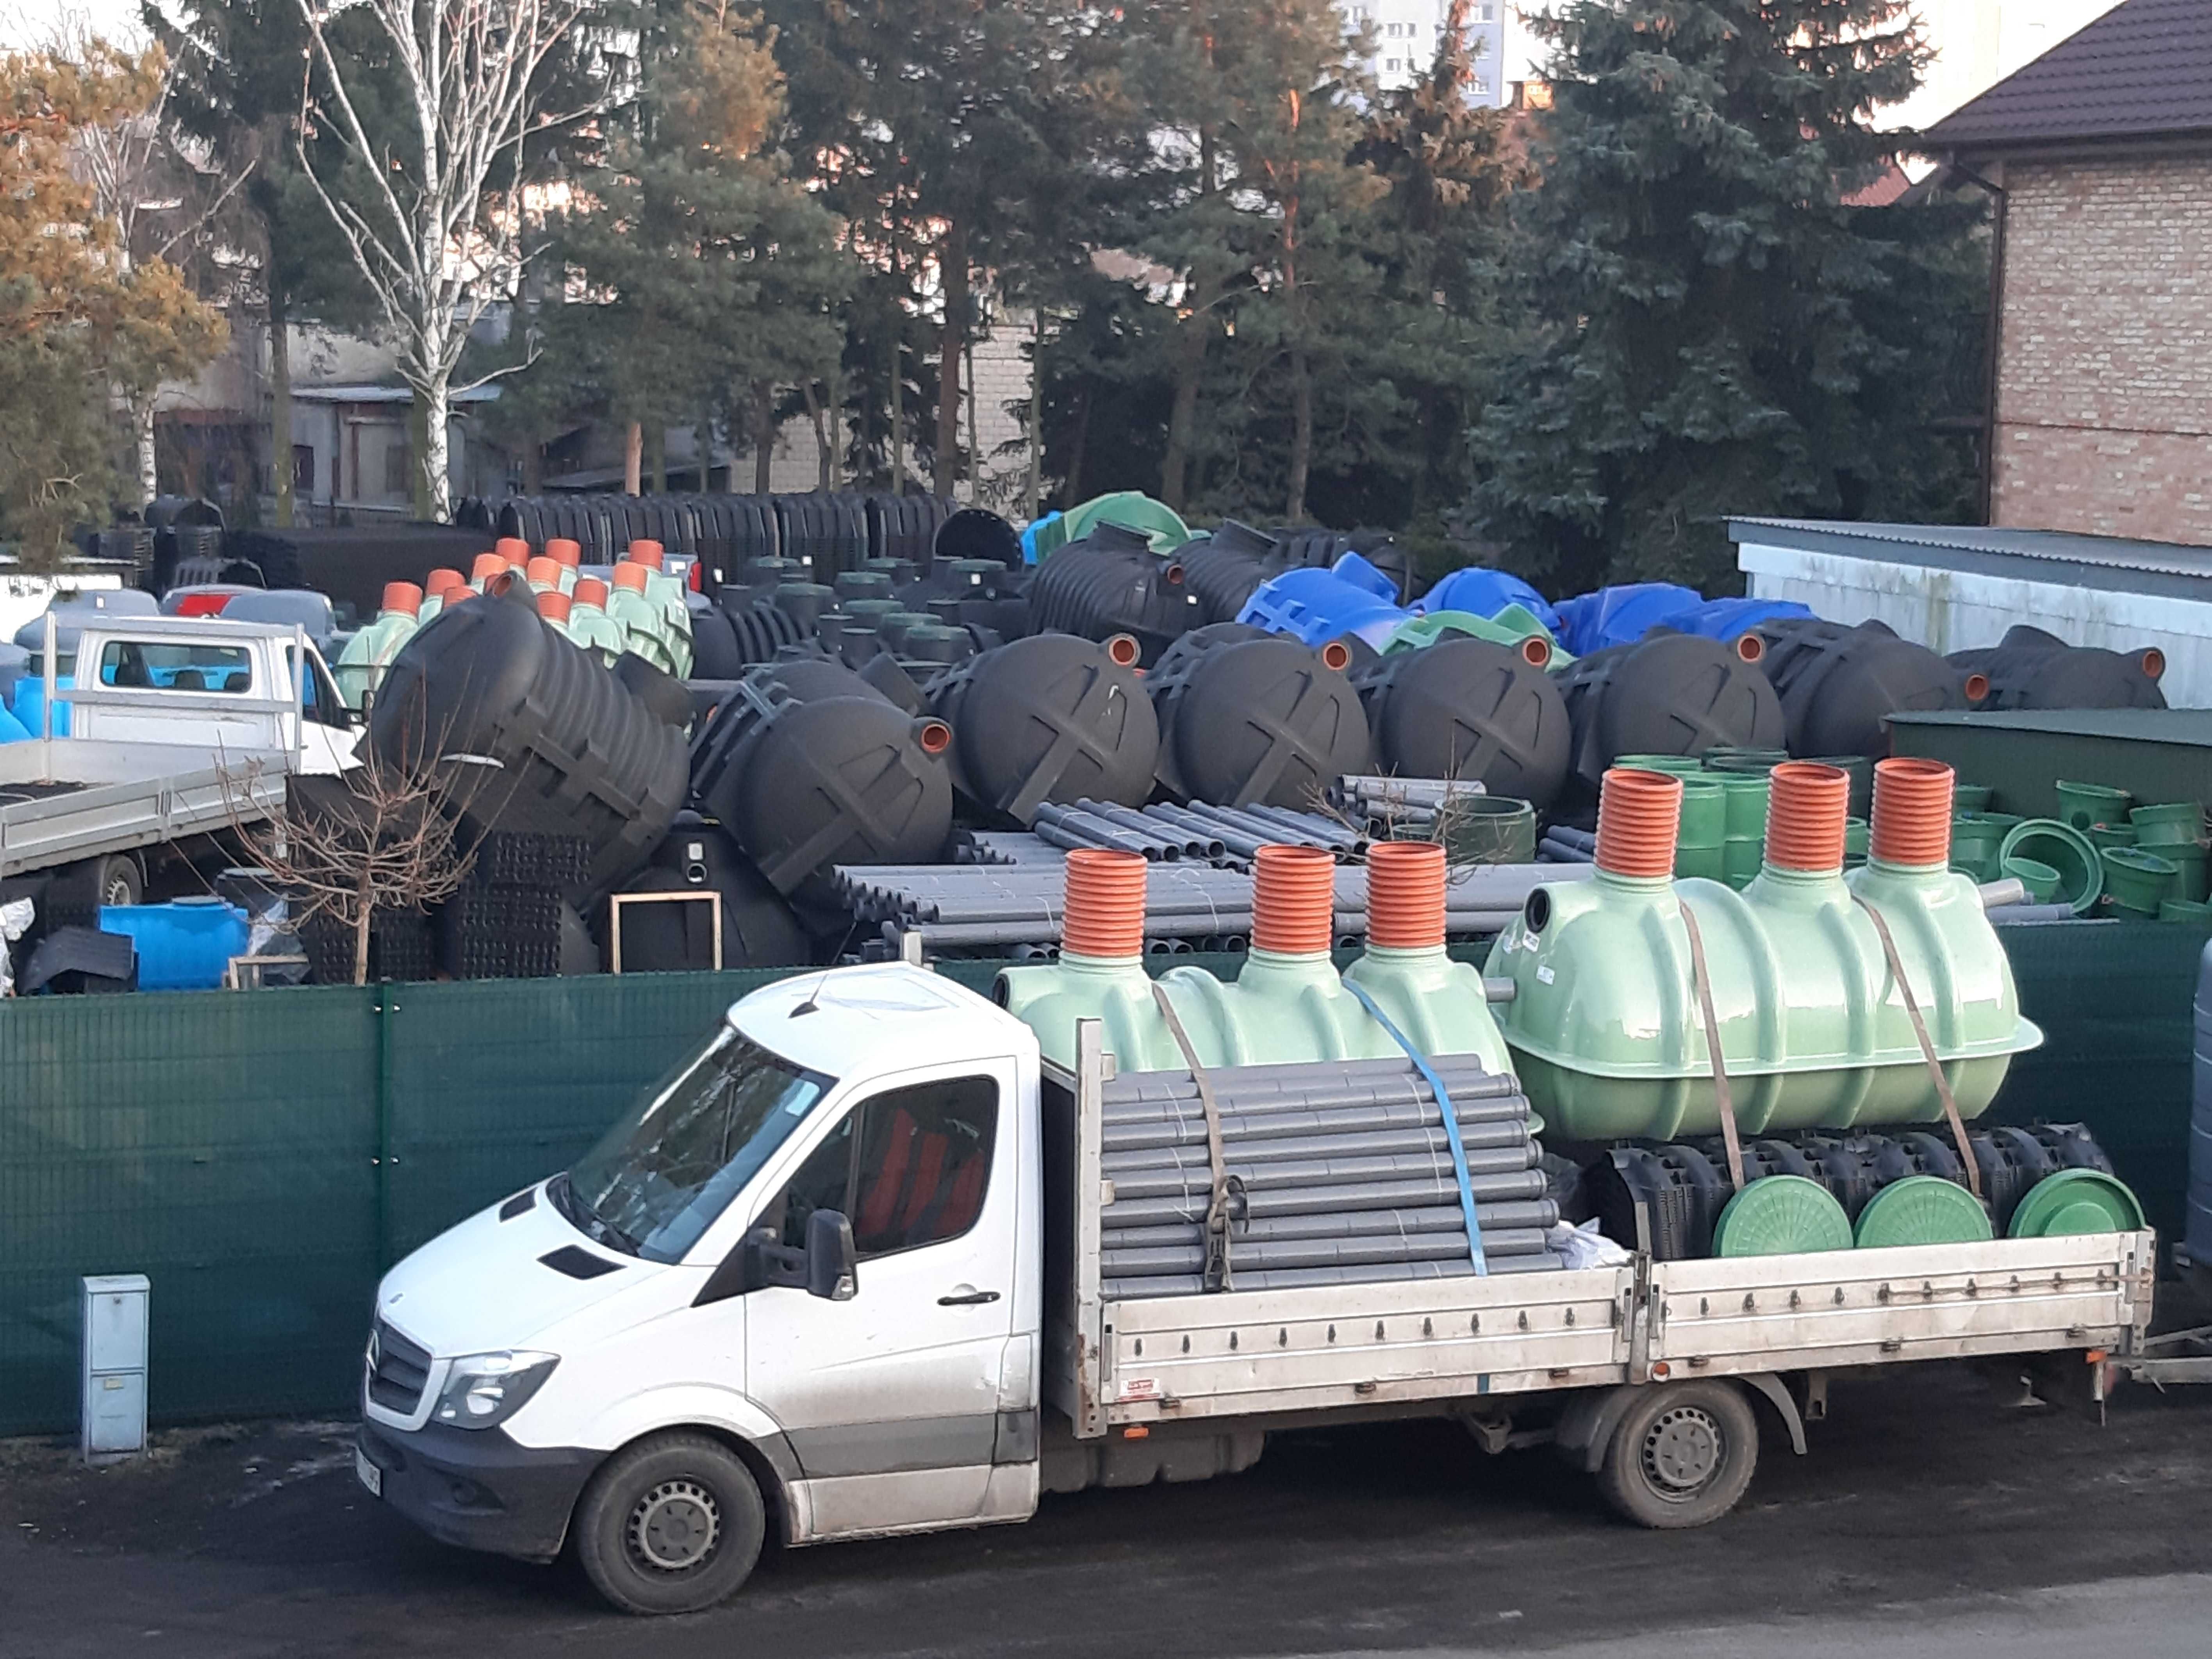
(263, 1157)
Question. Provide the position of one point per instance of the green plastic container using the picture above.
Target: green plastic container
(1133, 510)
(1921, 1210)
(1860, 770)
(2193, 912)
(1515, 623)
(1856, 837)
(2083, 804)
(1969, 798)
(1705, 814)
(2075, 1201)
(1607, 1037)
(2176, 823)
(1781, 1215)
(1723, 757)
(2041, 881)
(1745, 808)
(1703, 862)
(2192, 862)
(1492, 830)
(2065, 849)
(2137, 882)
(2102, 836)
(1975, 838)
(1679, 765)
(1740, 861)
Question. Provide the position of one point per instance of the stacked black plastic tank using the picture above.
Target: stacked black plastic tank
(1471, 710)
(1111, 582)
(1223, 569)
(1050, 718)
(1668, 694)
(1248, 717)
(825, 533)
(808, 766)
(1839, 684)
(528, 733)
(2031, 669)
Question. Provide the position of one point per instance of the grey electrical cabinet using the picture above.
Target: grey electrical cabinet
(114, 1419)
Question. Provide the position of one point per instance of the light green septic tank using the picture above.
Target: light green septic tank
(1609, 1041)
(1287, 1006)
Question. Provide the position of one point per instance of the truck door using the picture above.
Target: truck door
(891, 1398)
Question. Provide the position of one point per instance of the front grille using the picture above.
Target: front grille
(397, 1369)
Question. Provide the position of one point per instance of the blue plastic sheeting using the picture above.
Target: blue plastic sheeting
(1486, 592)
(184, 946)
(1724, 619)
(1624, 615)
(1030, 537)
(1317, 606)
(1620, 615)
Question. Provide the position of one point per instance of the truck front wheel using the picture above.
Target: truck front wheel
(1682, 1455)
(672, 1524)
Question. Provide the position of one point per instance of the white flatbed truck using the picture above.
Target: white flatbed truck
(185, 728)
(704, 1332)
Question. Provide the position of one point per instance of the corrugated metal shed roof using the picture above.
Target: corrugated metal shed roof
(2052, 555)
(2142, 69)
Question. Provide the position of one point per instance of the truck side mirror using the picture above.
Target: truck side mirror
(832, 1262)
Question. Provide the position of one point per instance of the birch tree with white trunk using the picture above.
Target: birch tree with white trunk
(436, 221)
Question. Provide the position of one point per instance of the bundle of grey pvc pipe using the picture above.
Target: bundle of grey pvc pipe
(1345, 1173)
(991, 905)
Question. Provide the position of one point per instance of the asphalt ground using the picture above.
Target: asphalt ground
(1934, 1515)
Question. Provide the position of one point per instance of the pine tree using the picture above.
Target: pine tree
(1720, 333)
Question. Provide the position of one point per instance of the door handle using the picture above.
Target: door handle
(966, 1298)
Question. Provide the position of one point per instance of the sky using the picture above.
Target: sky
(1978, 42)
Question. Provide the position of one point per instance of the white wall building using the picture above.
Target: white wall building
(1406, 36)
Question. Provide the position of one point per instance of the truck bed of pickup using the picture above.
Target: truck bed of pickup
(77, 797)
(1259, 1354)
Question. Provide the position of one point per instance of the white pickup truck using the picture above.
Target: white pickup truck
(177, 728)
(840, 1275)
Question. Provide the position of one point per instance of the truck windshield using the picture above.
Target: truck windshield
(661, 1177)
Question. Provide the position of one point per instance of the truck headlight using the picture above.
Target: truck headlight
(483, 1390)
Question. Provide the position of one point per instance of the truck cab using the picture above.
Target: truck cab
(798, 1285)
(228, 687)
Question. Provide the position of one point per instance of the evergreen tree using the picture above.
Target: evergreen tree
(703, 278)
(1720, 332)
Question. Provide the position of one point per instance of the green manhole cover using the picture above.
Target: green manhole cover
(1782, 1215)
(1921, 1209)
(2076, 1201)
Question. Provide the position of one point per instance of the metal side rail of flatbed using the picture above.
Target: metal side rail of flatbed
(1338, 1348)
(111, 797)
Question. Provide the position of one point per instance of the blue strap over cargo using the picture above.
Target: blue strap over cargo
(1450, 1119)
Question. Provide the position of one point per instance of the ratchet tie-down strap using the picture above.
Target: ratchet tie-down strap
(1927, 1045)
(1702, 982)
(1450, 1122)
(1228, 1195)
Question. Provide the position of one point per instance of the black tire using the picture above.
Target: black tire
(638, 1528)
(116, 880)
(1682, 1457)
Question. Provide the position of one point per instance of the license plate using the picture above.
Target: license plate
(370, 1476)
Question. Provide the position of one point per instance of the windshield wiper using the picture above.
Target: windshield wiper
(587, 1220)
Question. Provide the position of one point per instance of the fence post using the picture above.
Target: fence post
(387, 1005)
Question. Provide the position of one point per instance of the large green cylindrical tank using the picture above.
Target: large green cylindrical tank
(1609, 1038)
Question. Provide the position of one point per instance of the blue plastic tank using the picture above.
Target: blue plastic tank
(1486, 592)
(182, 945)
(2196, 1234)
(1726, 619)
(1621, 615)
(1317, 606)
(31, 701)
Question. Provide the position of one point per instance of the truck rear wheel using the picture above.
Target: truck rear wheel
(117, 881)
(672, 1524)
(1683, 1455)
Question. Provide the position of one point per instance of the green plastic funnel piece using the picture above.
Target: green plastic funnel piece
(1782, 1215)
(2065, 849)
(1921, 1209)
(2083, 804)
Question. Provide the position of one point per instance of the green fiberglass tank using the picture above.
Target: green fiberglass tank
(1606, 1026)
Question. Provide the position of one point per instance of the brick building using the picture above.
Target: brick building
(2100, 156)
